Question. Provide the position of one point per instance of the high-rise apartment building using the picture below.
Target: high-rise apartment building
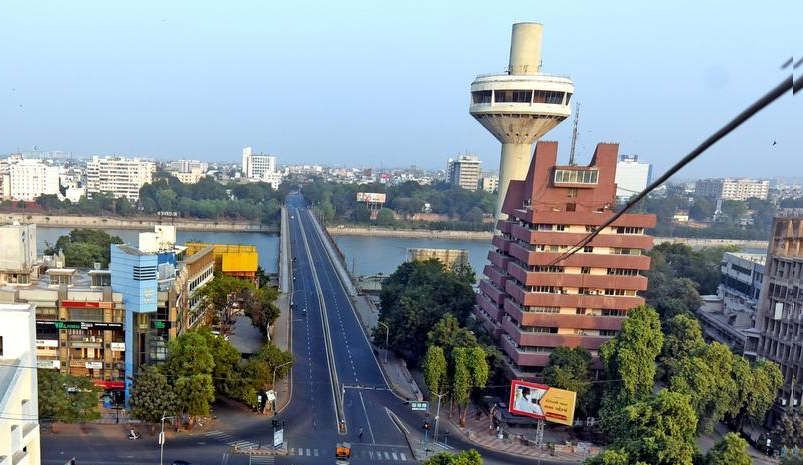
(632, 177)
(464, 171)
(535, 302)
(779, 324)
(261, 168)
(489, 183)
(118, 176)
(19, 393)
(28, 179)
(732, 189)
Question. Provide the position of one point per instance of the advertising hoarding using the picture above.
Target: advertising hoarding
(371, 197)
(542, 402)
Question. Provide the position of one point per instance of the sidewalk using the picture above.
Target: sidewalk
(280, 335)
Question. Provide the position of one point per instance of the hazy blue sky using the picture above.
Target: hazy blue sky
(363, 83)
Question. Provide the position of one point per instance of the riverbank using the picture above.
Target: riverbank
(142, 223)
(411, 233)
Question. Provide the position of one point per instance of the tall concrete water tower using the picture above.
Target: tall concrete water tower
(521, 105)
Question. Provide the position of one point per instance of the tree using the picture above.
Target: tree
(730, 450)
(630, 357)
(660, 430)
(262, 309)
(708, 381)
(415, 298)
(760, 390)
(226, 360)
(435, 369)
(569, 368)
(702, 209)
(448, 334)
(683, 339)
(83, 247)
(466, 457)
(189, 365)
(470, 371)
(67, 398)
(361, 214)
(612, 457)
(733, 211)
(385, 217)
(152, 395)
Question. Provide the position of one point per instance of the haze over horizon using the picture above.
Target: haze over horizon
(364, 84)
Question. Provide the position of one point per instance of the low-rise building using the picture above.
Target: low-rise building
(240, 261)
(732, 188)
(453, 259)
(18, 262)
(19, 399)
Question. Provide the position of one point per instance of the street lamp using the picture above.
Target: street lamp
(438, 415)
(273, 384)
(387, 335)
(162, 438)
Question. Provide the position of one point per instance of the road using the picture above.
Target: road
(311, 417)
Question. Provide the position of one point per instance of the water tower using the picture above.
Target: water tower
(520, 105)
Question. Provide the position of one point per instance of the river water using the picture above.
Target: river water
(370, 255)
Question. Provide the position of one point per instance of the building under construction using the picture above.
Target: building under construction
(453, 259)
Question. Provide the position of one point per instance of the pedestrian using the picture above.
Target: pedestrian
(360, 433)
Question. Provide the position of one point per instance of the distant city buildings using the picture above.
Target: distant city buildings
(27, 179)
(464, 171)
(188, 171)
(19, 393)
(489, 183)
(259, 167)
(732, 188)
(632, 177)
(118, 176)
(534, 303)
(453, 259)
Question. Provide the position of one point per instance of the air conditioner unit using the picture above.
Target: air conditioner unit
(86, 339)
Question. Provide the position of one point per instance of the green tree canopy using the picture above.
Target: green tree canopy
(684, 339)
(67, 398)
(570, 368)
(435, 370)
(730, 450)
(83, 247)
(466, 457)
(152, 395)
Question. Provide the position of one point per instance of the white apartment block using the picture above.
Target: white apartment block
(119, 176)
(489, 183)
(19, 404)
(28, 179)
(189, 166)
(632, 177)
(733, 188)
(261, 168)
(464, 171)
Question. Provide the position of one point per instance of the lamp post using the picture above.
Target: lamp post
(162, 438)
(437, 416)
(387, 336)
(273, 384)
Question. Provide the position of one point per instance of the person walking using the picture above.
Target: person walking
(359, 434)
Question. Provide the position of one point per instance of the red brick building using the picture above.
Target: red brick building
(534, 305)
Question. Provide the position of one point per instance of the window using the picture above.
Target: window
(614, 292)
(622, 272)
(548, 96)
(1, 346)
(580, 311)
(629, 230)
(561, 227)
(546, 269)
(572, 193)
(585, 270)
(542, 289)
(481, 96)
(576, 176)
(540, 309)
(607, 332)
(588, 249)
(590, 228)
(144, 273)
(618, 251)
(540, 329)
(613, 312)
(513, 96)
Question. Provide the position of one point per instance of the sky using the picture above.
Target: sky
(378, 83)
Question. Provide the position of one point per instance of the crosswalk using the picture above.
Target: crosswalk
(262, 459)
(230, 440)
(372, 454)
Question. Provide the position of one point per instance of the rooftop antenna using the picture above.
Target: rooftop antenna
(574, 134)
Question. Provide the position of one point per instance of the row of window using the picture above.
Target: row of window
(576, 176)
(581, 291)
(578, 311)
(520, 96)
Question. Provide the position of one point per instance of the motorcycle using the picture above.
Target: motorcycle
(133, 435)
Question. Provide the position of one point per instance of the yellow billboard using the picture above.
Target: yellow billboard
(542, 402)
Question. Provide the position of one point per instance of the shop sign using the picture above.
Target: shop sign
(118, 346)
(94, 365)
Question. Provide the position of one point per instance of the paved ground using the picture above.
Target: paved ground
(245, 337)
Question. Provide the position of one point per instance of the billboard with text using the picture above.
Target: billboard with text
(542, 402)
(371, 197)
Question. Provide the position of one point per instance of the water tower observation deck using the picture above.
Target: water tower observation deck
(521, 105)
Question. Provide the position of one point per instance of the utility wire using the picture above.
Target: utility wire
(786, 85)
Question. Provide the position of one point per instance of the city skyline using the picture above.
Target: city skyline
(178, 83)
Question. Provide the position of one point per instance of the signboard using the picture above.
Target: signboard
(371, 197)
(542, 402)
(278, 438)
(49, 364)
(80, 325)
(117, 346)
(271, 395)
(83, 304)
(94, 365)
(157, 324)
(419, 406)
(47, 343)
(166, 213)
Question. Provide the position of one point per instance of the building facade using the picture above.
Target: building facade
(240, 261)
(29, 179)
(489, 183)
(18, 263)
(118, 176)
(464, 171)
(19, 395)
(779, 324)
(453, 259)
(535, 303)
(732, 188)
(632, 177)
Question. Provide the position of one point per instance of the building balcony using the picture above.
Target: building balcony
(500, 243)
(497, 295)
(490, 308)
(498, 259)
(504, 226)
(546, 299)
(523, 358)
(591, 260)
(592, 281)
(523, 338)
(636, 220)
(498, 277)
(562, 320)
(632, 241)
